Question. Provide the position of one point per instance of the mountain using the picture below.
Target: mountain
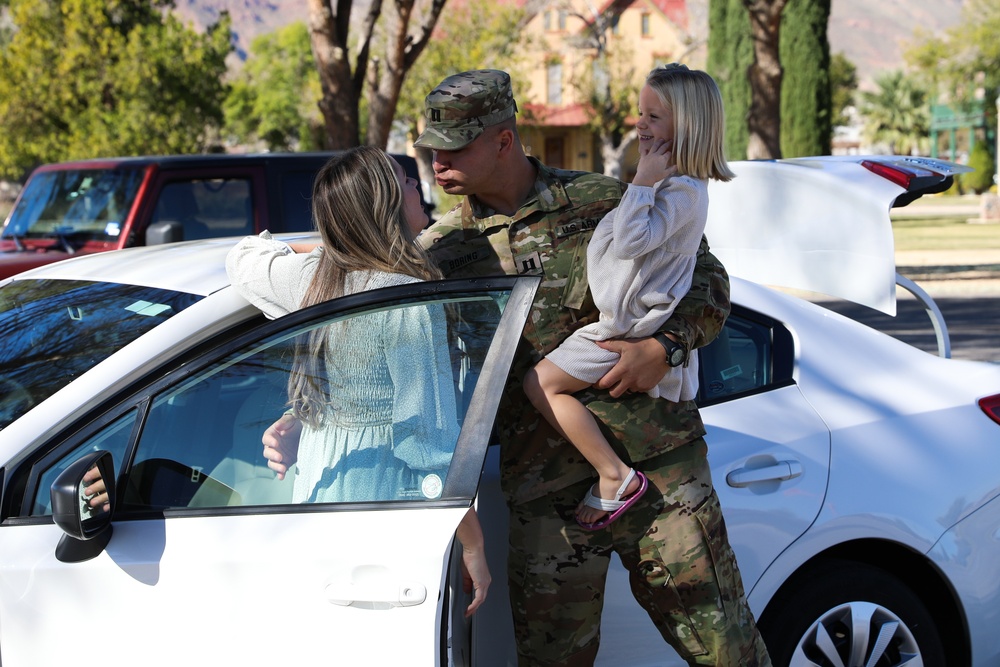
(870, 34)
(250, 17)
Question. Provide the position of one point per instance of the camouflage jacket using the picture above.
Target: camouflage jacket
(548, 236)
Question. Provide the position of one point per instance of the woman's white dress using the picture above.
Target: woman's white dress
(391, 423)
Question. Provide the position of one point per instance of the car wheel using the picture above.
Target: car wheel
(845, 614)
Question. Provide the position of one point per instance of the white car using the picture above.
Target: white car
(858, 475)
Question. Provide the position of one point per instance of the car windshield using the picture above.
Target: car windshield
(87, 204)
(53, 331)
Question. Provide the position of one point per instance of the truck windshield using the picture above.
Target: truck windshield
(89, 204)
(53, 331)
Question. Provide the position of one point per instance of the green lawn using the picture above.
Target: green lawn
(944, 234)
(919, 227)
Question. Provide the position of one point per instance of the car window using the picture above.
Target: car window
(80, 204)
(113, 438)
(296, 201)
(749, 355)
(207, 208)
(53, 331)
(387, 395)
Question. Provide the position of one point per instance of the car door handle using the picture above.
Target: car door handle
(372, 595)
(776, 472)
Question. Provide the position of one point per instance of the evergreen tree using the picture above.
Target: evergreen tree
(981, 179)
(806, 126)
(730, 54)
(843, 86)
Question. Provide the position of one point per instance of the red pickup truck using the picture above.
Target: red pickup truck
(81, 207)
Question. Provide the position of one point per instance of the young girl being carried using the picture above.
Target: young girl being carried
(640, 263)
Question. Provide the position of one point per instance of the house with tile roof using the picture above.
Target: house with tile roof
(555, 120)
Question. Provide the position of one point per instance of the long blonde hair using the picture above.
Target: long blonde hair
(699, 120)
(358, 209)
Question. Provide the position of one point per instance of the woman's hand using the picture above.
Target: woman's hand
(281, 444)
(476, 577)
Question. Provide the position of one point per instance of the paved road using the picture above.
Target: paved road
(973, 324)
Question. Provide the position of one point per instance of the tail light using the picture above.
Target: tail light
(991, 406)
(901, 176)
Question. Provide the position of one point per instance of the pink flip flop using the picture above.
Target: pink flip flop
(616, 507)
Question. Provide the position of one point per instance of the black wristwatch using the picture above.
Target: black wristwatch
(676, 353)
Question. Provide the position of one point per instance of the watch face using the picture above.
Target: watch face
(677, 356)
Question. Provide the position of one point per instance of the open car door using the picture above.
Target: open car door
(202, 556)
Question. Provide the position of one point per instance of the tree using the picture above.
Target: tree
(806, 103)
(896, 114)
(843, 86)
(608, 87)
(5, 30)
(84, 78)
(610, 93)
(730, 54)
(342, 81)
(964, 65)
(979, 180)
(479, 34)
(275, 97)
(764, 119)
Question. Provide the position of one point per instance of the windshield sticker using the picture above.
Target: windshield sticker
(147, 308)
(431, 486)
(113, 229)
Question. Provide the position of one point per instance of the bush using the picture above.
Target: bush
(980, 180)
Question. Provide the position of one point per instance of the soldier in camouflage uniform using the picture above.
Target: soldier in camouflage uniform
(521, 217)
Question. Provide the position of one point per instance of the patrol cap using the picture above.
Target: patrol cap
(463, 105)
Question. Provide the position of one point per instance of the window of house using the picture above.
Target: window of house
(645, 25)
(562, 19)
(554, 83)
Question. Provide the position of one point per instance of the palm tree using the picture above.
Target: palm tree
(897, 114)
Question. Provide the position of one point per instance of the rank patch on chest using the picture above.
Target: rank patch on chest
(529, 263)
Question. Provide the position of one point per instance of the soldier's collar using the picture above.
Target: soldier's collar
(549, 195)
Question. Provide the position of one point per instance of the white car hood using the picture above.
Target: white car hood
(817, 224)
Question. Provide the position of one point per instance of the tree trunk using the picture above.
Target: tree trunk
(765, 79)
(613, 156)
(402, 50)
(341, 87)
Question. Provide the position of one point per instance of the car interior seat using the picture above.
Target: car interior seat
(244, 468)
(715, 363)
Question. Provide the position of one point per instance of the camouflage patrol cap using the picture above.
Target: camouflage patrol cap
(463, 105)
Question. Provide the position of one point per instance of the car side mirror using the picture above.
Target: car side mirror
(82, 505)
(168, 231)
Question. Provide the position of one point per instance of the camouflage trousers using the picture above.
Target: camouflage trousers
(674, 544)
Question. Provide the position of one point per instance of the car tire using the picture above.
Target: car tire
(840, 610)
